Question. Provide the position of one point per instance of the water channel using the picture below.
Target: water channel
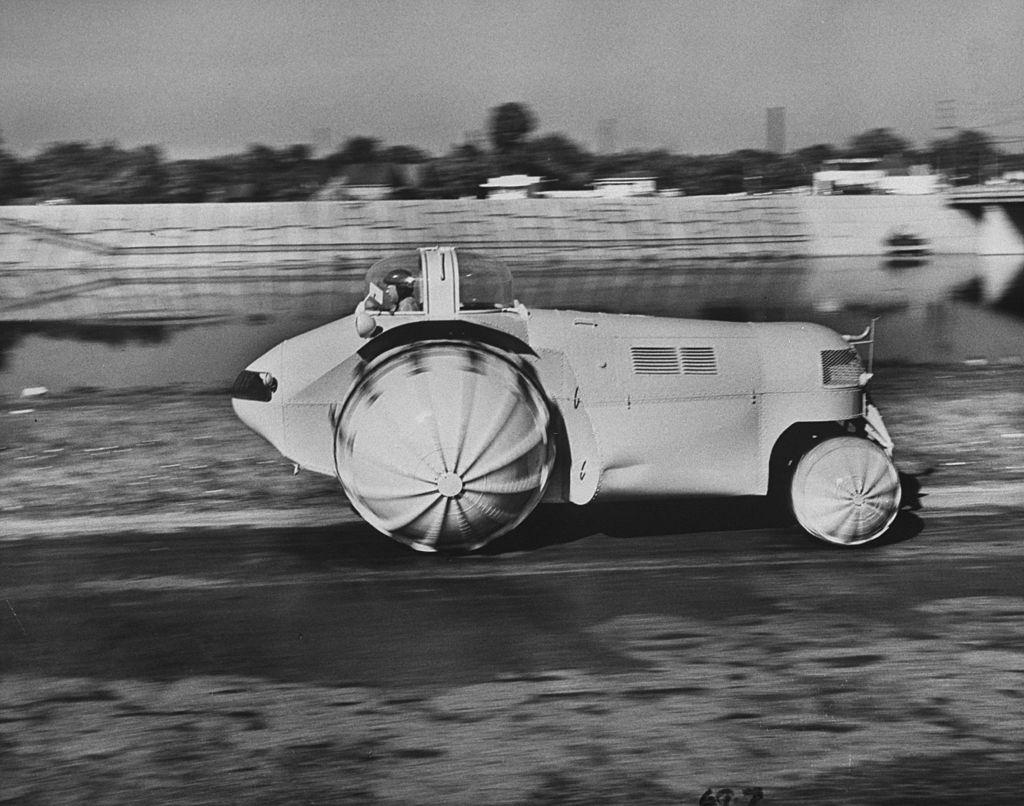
(948, 309)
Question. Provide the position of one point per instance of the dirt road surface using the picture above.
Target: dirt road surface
(184, 621)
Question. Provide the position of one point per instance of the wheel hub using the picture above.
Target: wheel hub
(449, 484)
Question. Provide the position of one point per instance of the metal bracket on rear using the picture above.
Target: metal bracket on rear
(868, 338)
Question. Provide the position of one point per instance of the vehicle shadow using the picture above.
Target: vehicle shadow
(343, 543)
(559, 524)
(555, 524)
(348, 542)
(910, 487)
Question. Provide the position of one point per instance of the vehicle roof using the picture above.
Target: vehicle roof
(773, 334)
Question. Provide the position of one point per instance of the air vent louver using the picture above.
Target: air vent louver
(699, 360)
(655, 360)
(840, 367)
(674, 361)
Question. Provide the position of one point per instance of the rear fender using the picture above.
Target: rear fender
(579, 467)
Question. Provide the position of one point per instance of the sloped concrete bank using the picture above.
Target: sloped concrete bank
(115, 262)
(847, 226)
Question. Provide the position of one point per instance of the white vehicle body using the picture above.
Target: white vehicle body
(448, 421)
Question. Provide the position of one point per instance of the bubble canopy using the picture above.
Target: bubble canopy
(482, 283)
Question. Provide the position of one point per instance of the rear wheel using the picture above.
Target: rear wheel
(845, 490)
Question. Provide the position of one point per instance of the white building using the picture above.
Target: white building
(615, 187)
(522, 186)
(512, 186)
(866, 175)
(912, 184)
(856, 175)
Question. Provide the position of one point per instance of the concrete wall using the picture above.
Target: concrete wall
(106, 261)
(149, 261)
(859, 225)
(1001, 229)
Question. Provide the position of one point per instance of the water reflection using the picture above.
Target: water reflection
(1012, 299)
(11, 333)
(952, 308)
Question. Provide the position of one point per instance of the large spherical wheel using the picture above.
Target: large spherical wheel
(845, 491)
(444, 445)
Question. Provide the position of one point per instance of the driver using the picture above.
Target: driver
(398, 291)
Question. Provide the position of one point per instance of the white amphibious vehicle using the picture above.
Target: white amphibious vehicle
(448, 410)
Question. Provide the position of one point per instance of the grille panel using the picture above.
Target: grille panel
(840, 367)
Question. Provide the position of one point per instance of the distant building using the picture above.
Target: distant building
(612, 187)
(911, 184)
(568, 194)
(366, 182)
(866, 175)
(855, 175)
(775, 129)
(512, 186)
(619, 186)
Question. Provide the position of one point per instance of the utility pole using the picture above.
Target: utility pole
(945, 117)
(606, 135)
(775, 129)
(322, 140)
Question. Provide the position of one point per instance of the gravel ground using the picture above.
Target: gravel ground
(820, 708)
(143, 459)
(812, 706)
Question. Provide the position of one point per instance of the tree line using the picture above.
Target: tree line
(104, 174)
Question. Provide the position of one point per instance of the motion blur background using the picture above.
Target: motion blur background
(184, 184)
(187, 175)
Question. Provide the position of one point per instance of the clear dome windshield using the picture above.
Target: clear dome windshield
(484, 285)
(398, 284)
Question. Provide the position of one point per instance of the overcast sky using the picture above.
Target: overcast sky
(694, 76)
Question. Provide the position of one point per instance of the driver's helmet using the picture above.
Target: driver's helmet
(401, 280)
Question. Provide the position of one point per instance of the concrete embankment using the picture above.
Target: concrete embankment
(859, 225)
(113, 262)
(125, 260)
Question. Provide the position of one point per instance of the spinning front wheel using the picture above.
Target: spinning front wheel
(445, 445)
